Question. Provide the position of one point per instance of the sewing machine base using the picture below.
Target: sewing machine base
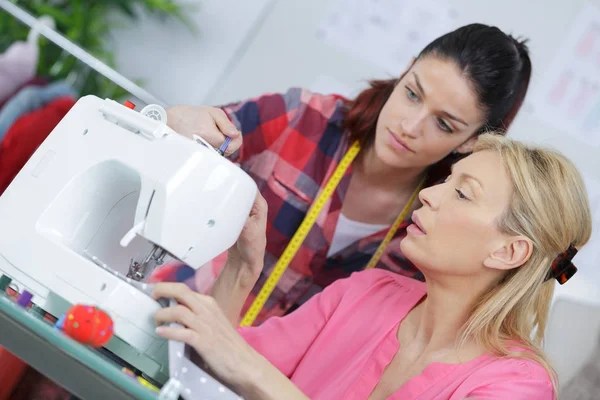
(154, 369)
(81, 370)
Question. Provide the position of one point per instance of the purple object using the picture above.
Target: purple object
(60, 324)
(225, 145)
(24, 298)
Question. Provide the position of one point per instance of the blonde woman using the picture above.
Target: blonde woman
(490, 242)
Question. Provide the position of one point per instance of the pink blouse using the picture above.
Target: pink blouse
(337, 345)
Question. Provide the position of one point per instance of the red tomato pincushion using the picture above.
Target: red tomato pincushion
(88, 325)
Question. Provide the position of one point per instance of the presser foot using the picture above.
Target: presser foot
(138, 271)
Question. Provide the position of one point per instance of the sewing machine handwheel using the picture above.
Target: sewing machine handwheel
(155, 112)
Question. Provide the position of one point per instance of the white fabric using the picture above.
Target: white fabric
(348, 231)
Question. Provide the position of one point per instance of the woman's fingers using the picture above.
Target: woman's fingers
(260, 206)
(185, 335)
(179, 314)
(189, 300)
(168, 290)
(223, 123)
(227, 128)
(177, 291)
(210, 123)
(258, 212)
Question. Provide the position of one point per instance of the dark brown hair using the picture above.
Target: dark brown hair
(497, 65)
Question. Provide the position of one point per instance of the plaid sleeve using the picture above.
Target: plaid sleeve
(262, 120)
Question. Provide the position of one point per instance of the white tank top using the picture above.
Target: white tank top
(348, 231)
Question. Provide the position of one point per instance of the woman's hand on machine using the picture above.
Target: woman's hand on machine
(208, 323)
(210, 123)
(207, 330)
(249, 251)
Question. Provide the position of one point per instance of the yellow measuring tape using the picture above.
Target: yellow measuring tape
(309, 220)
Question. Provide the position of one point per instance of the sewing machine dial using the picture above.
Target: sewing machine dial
(155, 112)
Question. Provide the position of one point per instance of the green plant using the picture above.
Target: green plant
(86, 23)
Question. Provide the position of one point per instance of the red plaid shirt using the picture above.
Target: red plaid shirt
(292, 144)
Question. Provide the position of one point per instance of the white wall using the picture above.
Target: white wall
(180, 66)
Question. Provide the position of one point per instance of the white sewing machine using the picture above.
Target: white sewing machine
(111, 193)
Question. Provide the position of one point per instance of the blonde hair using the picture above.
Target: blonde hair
(549, 206)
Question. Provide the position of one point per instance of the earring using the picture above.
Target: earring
(454, 152)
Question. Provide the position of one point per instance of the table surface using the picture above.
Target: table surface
(83, 371)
